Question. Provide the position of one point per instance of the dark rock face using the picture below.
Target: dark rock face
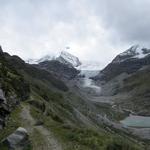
(17, 140)
(1, 51)
(4, 109)
(2, 97)
(60, 70)
(128, 66)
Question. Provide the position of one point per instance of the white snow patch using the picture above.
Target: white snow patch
(135, 51)
(73, 60)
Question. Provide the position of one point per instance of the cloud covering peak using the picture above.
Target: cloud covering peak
(94, 30)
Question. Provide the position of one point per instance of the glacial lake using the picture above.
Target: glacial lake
(136, 121)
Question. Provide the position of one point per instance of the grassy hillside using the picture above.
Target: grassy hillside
(11, 81)
(55, 109)
(138, 86)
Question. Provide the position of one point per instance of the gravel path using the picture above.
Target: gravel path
(50, 142)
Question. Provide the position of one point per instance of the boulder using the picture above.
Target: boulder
(17, 140)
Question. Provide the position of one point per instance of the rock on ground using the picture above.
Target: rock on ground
(17, 140)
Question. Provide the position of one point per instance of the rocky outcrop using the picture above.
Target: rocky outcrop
(17, 140)
(4, 109)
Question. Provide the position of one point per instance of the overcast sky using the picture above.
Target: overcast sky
(95, 30)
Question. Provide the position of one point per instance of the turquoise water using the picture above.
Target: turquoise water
(136, 121)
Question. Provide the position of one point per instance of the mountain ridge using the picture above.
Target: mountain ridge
(129, 61)
(64, 57)
(136, 51)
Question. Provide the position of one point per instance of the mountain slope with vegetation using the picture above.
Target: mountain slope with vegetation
(126, 80)
(52, 113)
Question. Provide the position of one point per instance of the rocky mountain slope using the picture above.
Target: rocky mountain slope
(61, 66)
(58, 69)
(56, 116)
(126, 80)
(128, 62)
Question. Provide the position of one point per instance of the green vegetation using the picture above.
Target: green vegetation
(12, 82)
(3, 147)
(76, 137)
(139, 81)
(37, 139)
(53, 106)
(122, 144)
(110, 112)
(12, 124)
(138, 84)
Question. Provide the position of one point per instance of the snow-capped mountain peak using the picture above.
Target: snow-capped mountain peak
(37, 61)
(69, 59)
(135, 51)
(64, 57)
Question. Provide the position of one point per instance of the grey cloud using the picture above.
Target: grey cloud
(94, 29)
(129, 19)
